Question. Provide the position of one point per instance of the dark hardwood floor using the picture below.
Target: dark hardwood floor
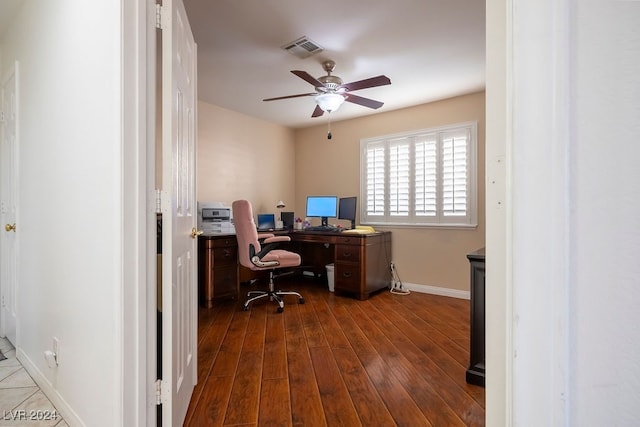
(336, 361)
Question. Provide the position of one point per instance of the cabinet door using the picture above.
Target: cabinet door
(225, 282)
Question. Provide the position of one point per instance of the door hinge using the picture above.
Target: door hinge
(158, 201)
(162, 19)
(1, 116)
(163, 202)
(161, 392)
(158, 16)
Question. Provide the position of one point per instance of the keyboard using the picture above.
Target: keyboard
(327, 228)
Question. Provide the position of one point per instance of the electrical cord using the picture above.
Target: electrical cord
(396, 284)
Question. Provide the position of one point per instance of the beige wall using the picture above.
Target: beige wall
(243, 157)
(423, 256)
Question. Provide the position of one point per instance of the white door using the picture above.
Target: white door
(179, 274)
(8, 204)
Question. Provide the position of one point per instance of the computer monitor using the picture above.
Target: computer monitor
(287, 219)
(323, 207)
(266, 221)
(347, 209)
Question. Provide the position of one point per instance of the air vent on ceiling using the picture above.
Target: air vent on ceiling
(302, 47)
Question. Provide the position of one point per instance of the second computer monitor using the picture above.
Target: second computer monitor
(287, 219)
(323, 207)
(347, 209)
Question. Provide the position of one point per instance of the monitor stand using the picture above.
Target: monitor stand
(325, 221)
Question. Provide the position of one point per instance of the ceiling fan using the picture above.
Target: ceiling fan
(331, 92)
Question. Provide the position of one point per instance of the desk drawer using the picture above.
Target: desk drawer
(224, 242)
(307, 237)
(225, 256)
(349, 240)
(347, 277)
(348, 253)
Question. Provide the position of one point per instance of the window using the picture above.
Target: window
(427, 177)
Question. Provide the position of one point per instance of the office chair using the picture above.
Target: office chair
(260, 252)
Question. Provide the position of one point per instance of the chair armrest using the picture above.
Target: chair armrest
(275, 239)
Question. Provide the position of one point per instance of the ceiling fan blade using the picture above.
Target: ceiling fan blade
(366, 83)
(308, 78)
(290, 96)
(363, 101)
(317, 112)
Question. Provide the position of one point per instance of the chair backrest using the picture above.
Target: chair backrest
(246, 231)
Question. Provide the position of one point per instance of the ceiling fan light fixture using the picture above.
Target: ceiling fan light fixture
(329, 101)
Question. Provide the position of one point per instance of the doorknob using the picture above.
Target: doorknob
(10, 227)
(195, 232)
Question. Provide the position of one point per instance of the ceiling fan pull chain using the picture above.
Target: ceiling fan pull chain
(329, 136)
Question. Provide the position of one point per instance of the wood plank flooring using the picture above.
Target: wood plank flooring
(335, 361)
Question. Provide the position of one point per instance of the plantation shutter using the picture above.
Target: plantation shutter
(454, 173)
(399, 163)
(426, 176)
(375, 179)
(422, 178)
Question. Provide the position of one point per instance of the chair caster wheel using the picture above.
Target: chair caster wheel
(280, 309)
(301, 301)
(245, 308)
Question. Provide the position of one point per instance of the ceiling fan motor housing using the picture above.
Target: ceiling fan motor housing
(331, 83)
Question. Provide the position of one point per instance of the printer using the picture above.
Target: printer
(214, 217)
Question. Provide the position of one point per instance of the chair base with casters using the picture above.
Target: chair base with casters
(272, 294)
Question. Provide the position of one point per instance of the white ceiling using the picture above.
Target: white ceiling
(430, 49)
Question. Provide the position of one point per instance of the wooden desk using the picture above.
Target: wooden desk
(361, 262)
(475, 372)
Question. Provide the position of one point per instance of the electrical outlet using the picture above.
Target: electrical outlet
(56, 349)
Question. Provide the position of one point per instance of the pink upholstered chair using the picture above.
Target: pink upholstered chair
(260, 252)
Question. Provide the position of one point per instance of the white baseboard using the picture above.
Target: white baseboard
(435, 290)
(68, 414)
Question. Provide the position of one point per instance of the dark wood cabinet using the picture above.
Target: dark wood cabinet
(476, 370)
(361, 261)
(217, 268)
(362, 264)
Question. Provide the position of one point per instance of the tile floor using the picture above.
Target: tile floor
(22, 403)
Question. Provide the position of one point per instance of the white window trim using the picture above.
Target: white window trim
(412, 220)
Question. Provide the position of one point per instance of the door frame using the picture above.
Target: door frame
(139, 227)
(140, 105)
